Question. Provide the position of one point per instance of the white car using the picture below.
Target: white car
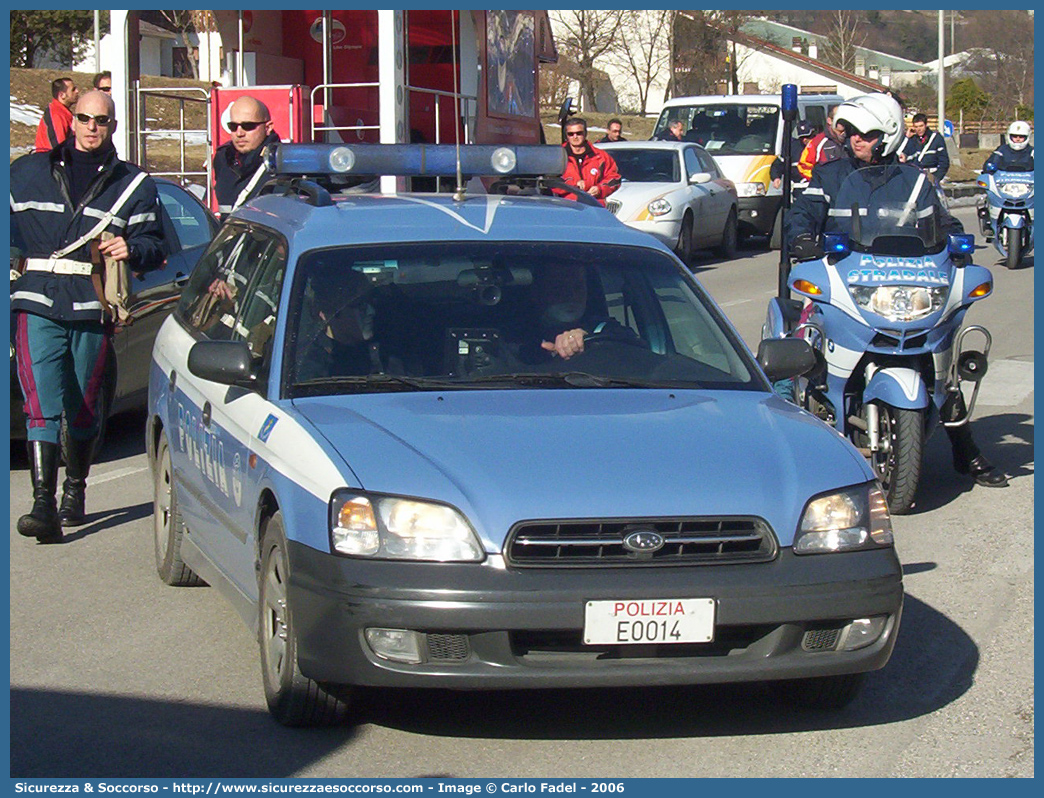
(675, 191)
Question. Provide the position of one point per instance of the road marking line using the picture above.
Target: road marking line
(117, 474)
(734, 302)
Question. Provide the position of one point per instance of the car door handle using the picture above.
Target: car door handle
(180, 279)
(172, 380)
(206, 414)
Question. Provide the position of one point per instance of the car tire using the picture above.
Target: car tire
(729, 238)
(685, 249)
(168, 528)
(293, 699)
(822, 692)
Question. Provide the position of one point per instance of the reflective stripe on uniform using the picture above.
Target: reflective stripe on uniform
(31, 205)
(32, 296)
(95, 305)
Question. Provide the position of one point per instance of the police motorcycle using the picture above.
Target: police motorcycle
(883, 309)
(1006, 213)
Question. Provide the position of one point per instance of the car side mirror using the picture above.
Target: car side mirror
(223, 362)
(783, 358)
(700, 177)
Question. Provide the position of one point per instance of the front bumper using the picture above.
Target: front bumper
(665, 230)
(517, 628)
(757, 214)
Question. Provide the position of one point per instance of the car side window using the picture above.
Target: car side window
(816, 115)
(214, 294)
(692, 163)
(188, 217)
(708, 165)
(261, 305)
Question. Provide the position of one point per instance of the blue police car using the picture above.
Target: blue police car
(498, 440)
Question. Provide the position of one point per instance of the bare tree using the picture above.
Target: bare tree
(846, 35)
(1002, 63)
(643, 52)
(181, 20)
(584, 37)
(554, 84)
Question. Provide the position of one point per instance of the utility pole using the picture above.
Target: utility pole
(942, 73)
(97, 40)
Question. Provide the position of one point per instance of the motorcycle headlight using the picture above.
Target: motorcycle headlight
(389, 527)
(854, 519)
(1014, 190)
(750, 189)
(900, 302)
(658, 207)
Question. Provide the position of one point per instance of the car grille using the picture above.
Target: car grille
(613, 206)
(686, 541)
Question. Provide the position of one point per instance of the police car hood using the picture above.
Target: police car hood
(504, 456)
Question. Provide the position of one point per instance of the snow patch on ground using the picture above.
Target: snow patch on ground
(26, 114)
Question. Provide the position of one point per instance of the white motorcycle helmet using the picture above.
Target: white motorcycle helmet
(875, 112)
(1019, 128)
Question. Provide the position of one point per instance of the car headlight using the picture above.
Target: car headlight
(900, 302)
(1014, 190)
(389, 527)
(750, 189)
(853, 519)
(658, 207)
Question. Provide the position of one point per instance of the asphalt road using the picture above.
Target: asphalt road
(115, 674)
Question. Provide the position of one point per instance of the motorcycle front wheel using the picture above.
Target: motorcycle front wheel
(1014, 249)
(898, 461)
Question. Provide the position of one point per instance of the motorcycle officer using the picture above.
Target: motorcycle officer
(876, 130)
(1014, 156)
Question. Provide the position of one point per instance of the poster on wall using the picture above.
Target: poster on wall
(511, 87)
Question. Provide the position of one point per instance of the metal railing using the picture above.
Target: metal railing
(182, 95)
(468, 109)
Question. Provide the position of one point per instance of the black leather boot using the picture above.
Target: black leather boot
(78, 456)
(968, 460)
(42, 521)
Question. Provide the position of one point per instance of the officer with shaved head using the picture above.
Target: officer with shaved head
(239, 168)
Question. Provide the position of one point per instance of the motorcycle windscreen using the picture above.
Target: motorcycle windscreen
(893, 210)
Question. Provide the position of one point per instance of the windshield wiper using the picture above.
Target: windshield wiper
(573, 379)
(379, 382)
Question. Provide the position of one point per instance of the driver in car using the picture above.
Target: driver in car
(560, 293)
(876, 128)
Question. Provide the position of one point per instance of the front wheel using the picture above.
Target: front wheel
(168, 529)
(293, 699)
(1014, 249)
(898, 461)
(729, 238)
(684, 249)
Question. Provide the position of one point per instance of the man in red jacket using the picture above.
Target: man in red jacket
(57, 117)
(587, 167)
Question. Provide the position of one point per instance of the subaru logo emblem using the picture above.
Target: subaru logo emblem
(643, 541)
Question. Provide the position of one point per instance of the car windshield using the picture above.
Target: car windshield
(647, 166)
(727, 129)
(891, 210)
(462, 315)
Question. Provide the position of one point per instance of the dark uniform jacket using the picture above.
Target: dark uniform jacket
(238, 178)
(928, 152)
(811, 213)
(47, 222)
(1009, 160)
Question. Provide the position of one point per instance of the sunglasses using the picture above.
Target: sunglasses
(247, 126)
(576, 133)
(105, 88)
(1017, 137)
(102, 120)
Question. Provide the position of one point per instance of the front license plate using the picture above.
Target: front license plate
(649, 621)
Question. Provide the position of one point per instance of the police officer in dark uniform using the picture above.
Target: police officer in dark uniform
(926, 148)
(875, 127)
(239, 168)
(73, 207)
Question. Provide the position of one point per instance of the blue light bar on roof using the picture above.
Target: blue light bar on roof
(414, 160)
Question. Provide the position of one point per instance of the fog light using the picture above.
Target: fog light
(397, 645)
(863, 631)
